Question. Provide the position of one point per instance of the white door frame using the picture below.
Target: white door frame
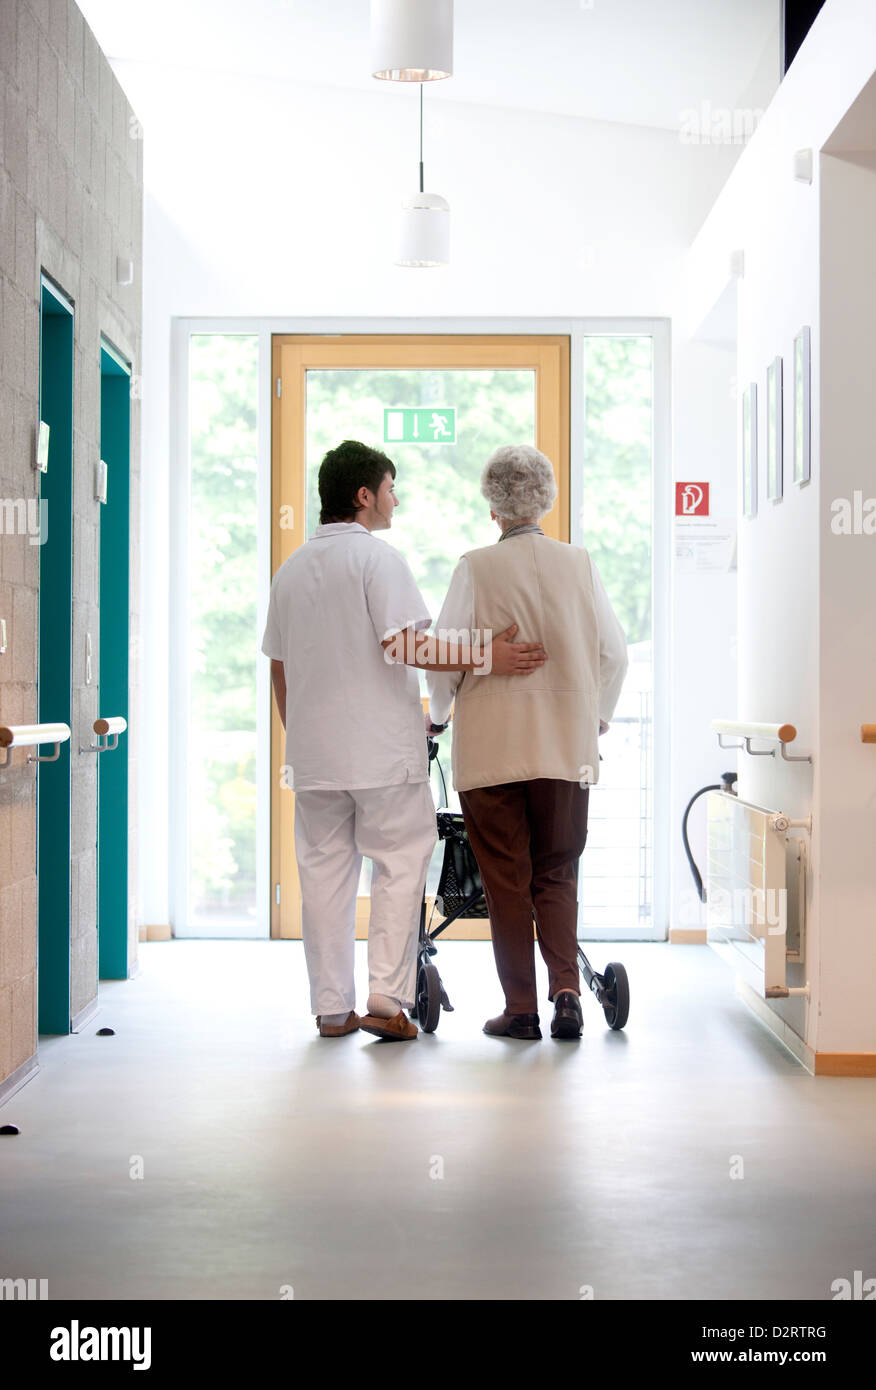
(264, 328)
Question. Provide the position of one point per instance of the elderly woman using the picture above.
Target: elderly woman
(525, 752)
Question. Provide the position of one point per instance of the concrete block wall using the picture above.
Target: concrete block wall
(71, 197)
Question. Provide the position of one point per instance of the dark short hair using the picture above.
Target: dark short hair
(341, 474)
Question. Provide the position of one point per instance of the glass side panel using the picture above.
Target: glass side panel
(617, 864)
(223, 636)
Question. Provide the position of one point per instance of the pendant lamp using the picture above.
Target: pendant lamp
(411, 40)
(424, 234)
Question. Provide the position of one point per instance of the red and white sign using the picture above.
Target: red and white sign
(691, 499)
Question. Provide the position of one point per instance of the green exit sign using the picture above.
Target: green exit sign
(420, 425)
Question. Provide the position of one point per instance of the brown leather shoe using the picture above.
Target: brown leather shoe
(522, 1026)
(398, 1029)
(338, 1030)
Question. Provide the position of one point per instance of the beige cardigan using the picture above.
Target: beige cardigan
(517, 728)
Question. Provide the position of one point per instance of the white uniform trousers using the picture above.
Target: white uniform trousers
(395, 828)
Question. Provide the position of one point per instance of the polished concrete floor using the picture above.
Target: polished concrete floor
(456, 1167)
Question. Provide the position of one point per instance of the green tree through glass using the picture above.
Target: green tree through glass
(224, 640)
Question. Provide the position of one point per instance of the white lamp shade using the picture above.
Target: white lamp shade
(424, 238)
(412, 40)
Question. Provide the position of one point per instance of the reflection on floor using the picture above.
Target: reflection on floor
(457, 1166)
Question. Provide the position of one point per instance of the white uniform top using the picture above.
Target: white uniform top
(353, 719)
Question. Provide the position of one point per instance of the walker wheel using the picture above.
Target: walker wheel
(428, 997)
(616, 995)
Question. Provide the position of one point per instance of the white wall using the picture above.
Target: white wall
(550, 216)
(794, 584)
(168, 266)
(703, 604)
(847, 667)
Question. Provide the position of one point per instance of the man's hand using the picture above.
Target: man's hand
(431, 729)
(509, 658)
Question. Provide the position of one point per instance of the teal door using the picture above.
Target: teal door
(112, 815)
(55, 673)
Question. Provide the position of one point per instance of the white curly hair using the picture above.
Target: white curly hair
(518, 482)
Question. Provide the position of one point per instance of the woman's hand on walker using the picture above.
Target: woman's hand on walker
(510, 658)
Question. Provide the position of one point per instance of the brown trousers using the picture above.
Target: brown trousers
(527, 838)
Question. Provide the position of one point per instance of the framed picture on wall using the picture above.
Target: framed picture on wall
(749, 451)
(774, 429)
(802, 443)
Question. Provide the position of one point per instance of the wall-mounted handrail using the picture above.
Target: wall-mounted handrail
(767, 733)
(786, 733)
(116, 725)
(107, 729)
(31, 736)
(868, 733)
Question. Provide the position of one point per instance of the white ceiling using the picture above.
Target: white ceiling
(640, 62)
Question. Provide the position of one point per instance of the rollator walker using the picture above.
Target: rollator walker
(460, 894)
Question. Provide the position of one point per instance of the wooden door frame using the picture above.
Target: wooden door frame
(292, 355)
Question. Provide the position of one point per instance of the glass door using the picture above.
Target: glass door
(438, 407)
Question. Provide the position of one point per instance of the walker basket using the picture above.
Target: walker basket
(459, 892)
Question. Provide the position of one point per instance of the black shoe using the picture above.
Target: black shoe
(523, 1026)
(568, 1020)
